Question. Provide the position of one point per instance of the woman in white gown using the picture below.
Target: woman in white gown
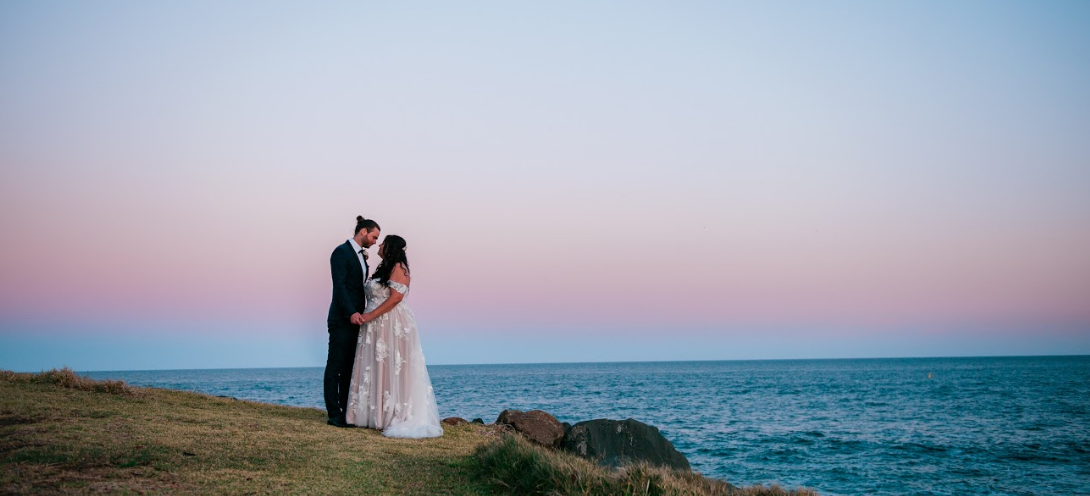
(391, 389)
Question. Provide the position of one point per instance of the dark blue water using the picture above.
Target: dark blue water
(1009, 425)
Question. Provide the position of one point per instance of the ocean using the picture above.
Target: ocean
(914, 426)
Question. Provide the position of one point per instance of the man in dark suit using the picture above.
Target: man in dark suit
(348, 266)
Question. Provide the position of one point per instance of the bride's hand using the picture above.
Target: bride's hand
(365, 318)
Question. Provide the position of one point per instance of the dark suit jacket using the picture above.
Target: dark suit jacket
(348, 274)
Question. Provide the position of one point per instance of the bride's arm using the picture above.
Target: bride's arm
(397, 275)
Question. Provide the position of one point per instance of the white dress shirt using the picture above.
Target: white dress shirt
(363, 263)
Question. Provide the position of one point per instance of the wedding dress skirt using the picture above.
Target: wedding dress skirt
(391, 389)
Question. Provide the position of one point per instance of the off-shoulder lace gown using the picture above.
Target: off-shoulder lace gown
(391, 389)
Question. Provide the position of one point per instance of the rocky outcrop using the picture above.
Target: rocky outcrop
(535, 425)
(454, 421)
(614, 443)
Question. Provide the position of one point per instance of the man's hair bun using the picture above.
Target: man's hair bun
(362, 223)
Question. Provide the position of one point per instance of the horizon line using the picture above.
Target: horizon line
(592, 363)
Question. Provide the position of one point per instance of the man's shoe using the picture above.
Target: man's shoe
(338, 423)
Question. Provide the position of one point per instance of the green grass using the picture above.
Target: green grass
(517, 467)
(64, 434)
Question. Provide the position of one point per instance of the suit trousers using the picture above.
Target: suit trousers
(338, 368)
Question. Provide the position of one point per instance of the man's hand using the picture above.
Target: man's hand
(356, 319)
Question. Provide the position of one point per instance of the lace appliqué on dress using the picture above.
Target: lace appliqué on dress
(380, 351)
(397, 286)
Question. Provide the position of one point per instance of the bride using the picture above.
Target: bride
(390, 387)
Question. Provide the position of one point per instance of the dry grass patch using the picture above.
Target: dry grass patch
(66, 378)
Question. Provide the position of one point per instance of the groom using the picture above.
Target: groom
(348, 266)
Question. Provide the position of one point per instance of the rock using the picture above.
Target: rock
(614, 443)
(535, 425)
(478, 420)
(453, 421)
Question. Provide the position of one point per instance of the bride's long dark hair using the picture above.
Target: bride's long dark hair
(392, 253)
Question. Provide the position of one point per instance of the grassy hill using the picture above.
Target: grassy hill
(64, 434)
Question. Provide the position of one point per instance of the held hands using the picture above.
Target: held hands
(361, 319)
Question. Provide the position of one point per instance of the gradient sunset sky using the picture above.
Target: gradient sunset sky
(577, 181)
